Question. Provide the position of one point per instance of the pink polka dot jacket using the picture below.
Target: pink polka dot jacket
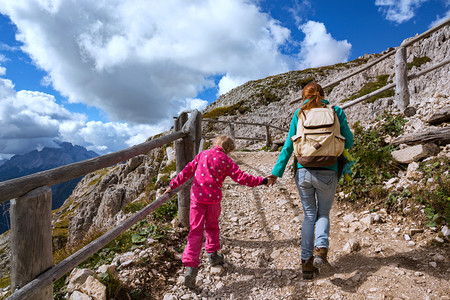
(210, 168)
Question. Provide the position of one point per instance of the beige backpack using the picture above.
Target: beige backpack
(318, 141)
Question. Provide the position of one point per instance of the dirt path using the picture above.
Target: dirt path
(371, 256)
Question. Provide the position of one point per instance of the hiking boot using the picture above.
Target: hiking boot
(320, 260)
(308, 268)
(215, 259)
(189, 277)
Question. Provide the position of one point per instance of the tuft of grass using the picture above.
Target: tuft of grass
(166, 212)
(135, 206)
(115, 289)
(267, 97)
(370, 87)
(418, 61)
(227, 110)
(301, 83)
(170, 167)
(5, 282)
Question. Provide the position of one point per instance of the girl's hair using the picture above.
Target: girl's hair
(315, 94)
(225, 142)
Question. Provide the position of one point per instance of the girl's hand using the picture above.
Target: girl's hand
(169, 189)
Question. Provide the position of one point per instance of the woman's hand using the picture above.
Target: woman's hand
(169, 189)
(271, 179)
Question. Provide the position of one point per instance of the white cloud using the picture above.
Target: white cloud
(138, 60)
(197, 104)
(227, 83)
(439, 20)
(399, 11)
(319, 48)
(32, 120)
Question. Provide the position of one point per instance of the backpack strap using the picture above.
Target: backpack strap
(299, 131)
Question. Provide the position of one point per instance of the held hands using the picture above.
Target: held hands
(271, 179)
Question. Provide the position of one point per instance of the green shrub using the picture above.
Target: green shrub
(373, 161)
(166, 212)
(370, 87)
(435, 196)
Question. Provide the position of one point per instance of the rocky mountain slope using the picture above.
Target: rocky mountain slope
(265, 266)
(45, 159)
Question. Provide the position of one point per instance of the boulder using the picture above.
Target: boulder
(415, 153)
(94, 288)
(77, 278)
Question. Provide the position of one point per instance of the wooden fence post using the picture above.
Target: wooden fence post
(198, 132)
(186, 149)
(401, 79)
(267, 138)
(231, 130)
(31, 239)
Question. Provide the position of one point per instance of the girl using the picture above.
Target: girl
(316, 187)
(209, 168)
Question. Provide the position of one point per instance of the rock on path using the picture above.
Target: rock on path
(375, 255)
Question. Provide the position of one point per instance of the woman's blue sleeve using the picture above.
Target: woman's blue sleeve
(288, 148)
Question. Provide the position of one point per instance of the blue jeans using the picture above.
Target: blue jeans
(316, 189)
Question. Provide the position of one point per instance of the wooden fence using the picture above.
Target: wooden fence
(32, 274)
(231, 124)
(401, 77)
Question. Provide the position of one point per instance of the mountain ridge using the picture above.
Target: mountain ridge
(41, 160)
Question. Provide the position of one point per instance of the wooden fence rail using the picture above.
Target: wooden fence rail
(47, 278)
(385, 56)
(392, 85)
(31, 242)
(231, 124)
(19, 186)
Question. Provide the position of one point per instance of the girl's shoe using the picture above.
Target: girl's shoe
(216, 259)
(189, 277)
(320, 260)
(308, 268)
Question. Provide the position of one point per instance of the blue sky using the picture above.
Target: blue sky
(108, 74)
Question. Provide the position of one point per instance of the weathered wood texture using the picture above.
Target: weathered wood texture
(440, 116)
(392, 85)
(31, 240)
(401, 79)
(47, 278)
(245, 123)
(17, 187)
(231, 130)
(181, 161)
(440, 136)
(267, 137)
(186, 149)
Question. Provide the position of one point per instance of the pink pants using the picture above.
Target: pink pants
(202, 217)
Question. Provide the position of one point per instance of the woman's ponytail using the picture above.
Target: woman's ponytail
(312, 92)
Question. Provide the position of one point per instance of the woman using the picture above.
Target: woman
(316, 187)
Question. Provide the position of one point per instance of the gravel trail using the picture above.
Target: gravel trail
(375, 255)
